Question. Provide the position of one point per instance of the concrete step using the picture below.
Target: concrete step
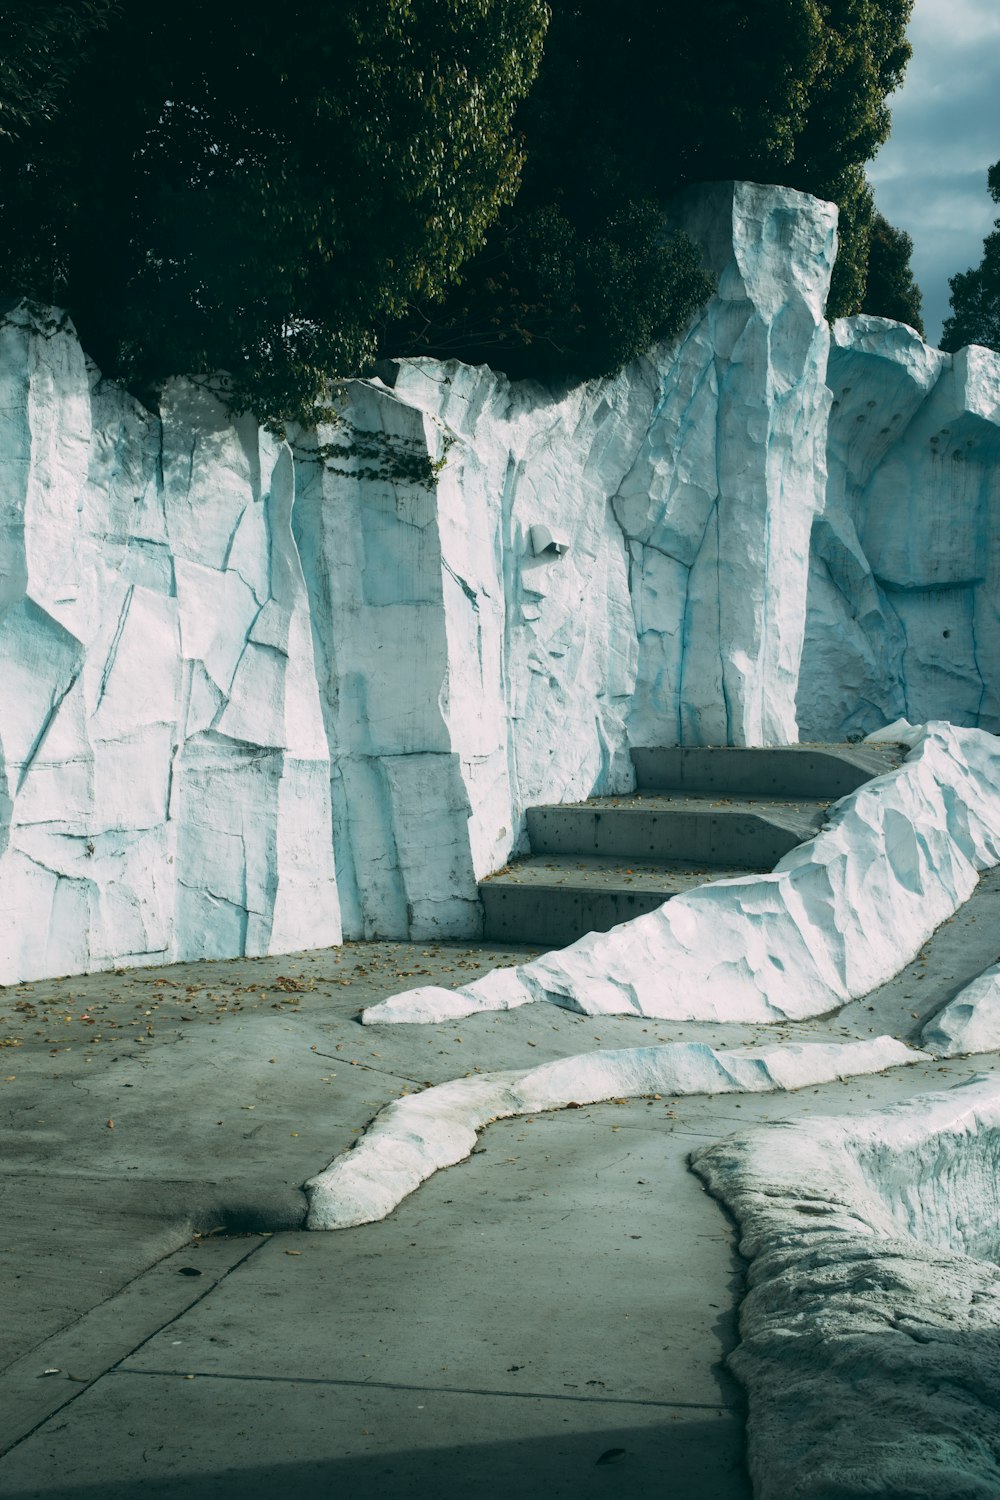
(734, 832)
(701, 813)
(817, 771)
(552, 901)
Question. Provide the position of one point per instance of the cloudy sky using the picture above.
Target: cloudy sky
(930, 176)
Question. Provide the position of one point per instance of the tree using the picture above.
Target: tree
(975, 294)
(41, 48)
(252, 188)
(577, 275)
(891, 291)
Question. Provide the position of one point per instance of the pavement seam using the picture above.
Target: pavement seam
(370, 1067)
(443, 1390)
(113, 1367)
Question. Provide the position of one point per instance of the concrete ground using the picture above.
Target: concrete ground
(550, 1318)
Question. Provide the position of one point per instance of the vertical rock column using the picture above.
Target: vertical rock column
(249, 788)
(367, 521)
(550, 672)
(717, 508)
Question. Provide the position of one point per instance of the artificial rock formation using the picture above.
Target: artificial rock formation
(870, 1333)
(257, 693)
(417, 1136)
(250, 684)
(163, 766)
(839, 914)
(904, 593)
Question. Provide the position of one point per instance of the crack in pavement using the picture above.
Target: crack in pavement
(444, 1390)
(86, 1383)
(356, 1063)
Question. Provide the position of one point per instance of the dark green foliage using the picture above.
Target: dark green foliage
(891, 291)
(42, 47)
(631, 105)
(548, 302)
(252, 188)
(278, 190)
(975, 294)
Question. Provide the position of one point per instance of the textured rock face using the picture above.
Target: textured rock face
(870, 1335)
(228, 661)
(468, 675)
(164, 773)
(416, 1136)
(718, 505)
(970, 1022)
(904, 596)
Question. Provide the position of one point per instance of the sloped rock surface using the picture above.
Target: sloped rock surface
(839, 915)
(870, 1334)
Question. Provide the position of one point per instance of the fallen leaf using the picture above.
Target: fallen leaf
(611, 1456)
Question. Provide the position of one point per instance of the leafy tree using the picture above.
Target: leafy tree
(975, 294)
(41, 48)
(891, 291)
(626, 112)
(252, 188)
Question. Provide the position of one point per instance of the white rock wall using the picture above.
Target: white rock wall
(904, 594)
(202, 708)
(164, 773)
(408, 653)
(719, 503)
(465, 677)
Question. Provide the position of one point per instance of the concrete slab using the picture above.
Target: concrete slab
(551, 901)
(169, 1438)
(501, 1275)
(485, 1299)
(701, 830)
(826, 771)
(56, 1372)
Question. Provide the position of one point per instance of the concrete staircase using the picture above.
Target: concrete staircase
(699, 814)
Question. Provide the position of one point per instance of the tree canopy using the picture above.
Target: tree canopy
(975, 294)
(252, 188)
(41, 48)
(632, 105)
(283, 192)
(891, 291)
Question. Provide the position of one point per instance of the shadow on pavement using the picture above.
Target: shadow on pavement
(680, 1459)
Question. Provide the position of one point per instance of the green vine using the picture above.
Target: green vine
(386, 459)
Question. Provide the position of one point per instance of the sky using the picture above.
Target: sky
(930, 176)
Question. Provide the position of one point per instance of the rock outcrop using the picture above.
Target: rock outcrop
(904, 597)
(250, 686)
(164, 772)
(869, 1333)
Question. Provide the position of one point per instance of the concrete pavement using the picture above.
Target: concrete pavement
(550, 1317)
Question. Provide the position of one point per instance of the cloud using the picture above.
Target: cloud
(930, 177)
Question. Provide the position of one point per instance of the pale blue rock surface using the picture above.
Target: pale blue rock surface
(905, 585)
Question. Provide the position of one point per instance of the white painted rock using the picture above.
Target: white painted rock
(163, 769)
(840, 914)
(970, 1022)
(718, 504)
(414, 1137)
(870, 1333)
(904, 591)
